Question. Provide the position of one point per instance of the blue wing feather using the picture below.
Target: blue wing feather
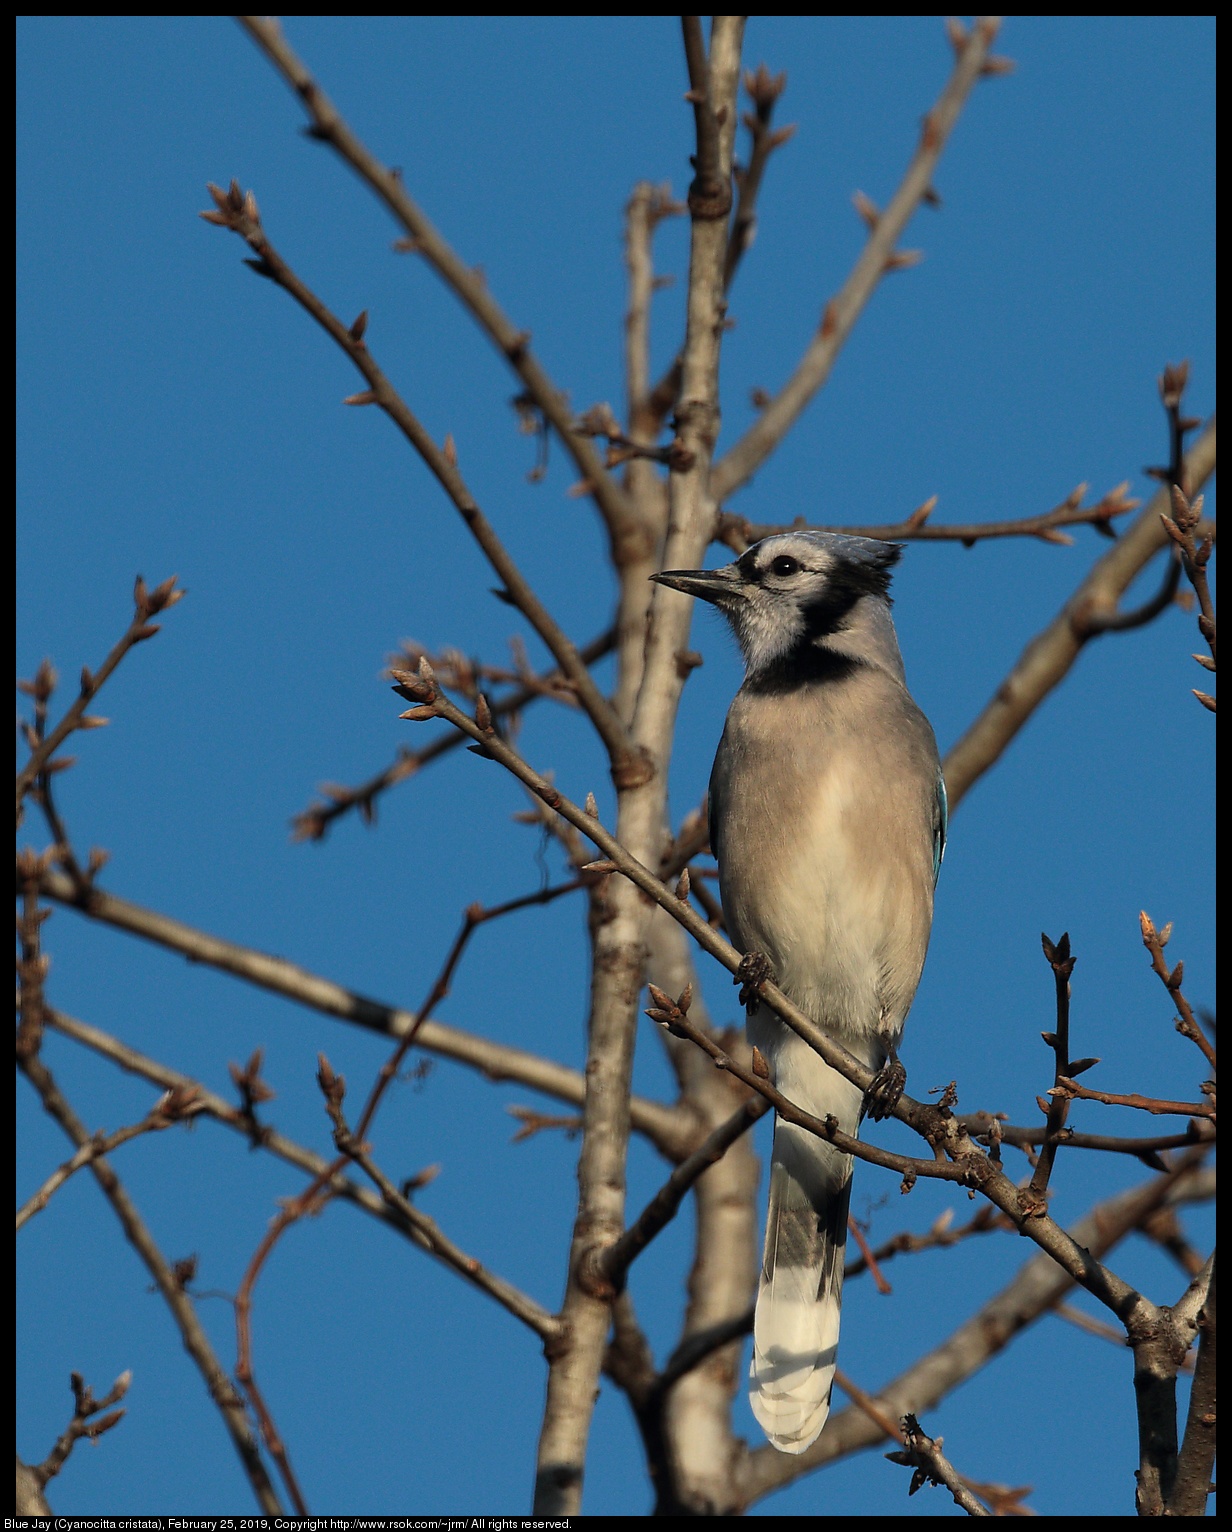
(942, 821)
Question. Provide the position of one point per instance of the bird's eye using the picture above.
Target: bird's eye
(784, 565)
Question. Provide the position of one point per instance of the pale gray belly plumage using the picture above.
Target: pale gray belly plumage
(824, 817)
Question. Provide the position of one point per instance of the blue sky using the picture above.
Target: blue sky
(177, 416)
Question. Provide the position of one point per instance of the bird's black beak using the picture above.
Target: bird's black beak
(712, 585)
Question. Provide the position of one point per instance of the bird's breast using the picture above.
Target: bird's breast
(825, 862)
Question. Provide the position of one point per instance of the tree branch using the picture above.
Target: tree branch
(239, 213)
(196, 1342)
(313, 822)
(619, 941)
(1046, 660)
(738, 465)
(672, 1133)
(1197, 1457)
(147, 604)
(1037, 1288)
(425, 1234)
(620, 514)
(738, 533)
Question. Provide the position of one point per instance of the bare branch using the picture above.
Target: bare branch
(430, 1236)
(670, 1132)
(623, 522)
(738, 465)
(923, 1454)
(1038, 1286)
(313, 822)
(147, 603)
(1048, 657)
(1062, 965)
(318, 1168)
(738, 533)
(238, 213)
(937, 1125)
(1068, 1089)
(618, 945)
(1187, 1024)
(196, 1342)
(83, 1423)
(1196, 1462)
(615, 1261)
(175, 1106)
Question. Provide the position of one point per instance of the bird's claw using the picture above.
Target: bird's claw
(884, 1094)
(753, 972)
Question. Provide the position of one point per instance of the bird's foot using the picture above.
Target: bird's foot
(753, 972)
(884, 1094)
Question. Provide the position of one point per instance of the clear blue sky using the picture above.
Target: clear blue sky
(177, 416)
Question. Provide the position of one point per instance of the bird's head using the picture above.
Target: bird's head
(792, 594)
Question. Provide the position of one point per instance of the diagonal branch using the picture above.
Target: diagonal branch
(171, 1108)
(316, 819)
(1037, 1288)
(147, 604)
(239, 213)
(738, 465)
(618, 511)
(615, 1261)
(1047, 659)
(936, 1125)
(196, 1342)
(672, 1133)
(425, 1233)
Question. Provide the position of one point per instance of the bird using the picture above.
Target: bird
(828, 823)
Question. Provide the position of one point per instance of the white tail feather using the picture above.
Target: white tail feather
(795, 1331)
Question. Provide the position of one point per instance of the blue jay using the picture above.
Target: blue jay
(828, 819)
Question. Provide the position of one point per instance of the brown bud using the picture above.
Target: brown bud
(760, 1068)
(867, 209)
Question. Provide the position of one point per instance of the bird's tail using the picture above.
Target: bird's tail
(795, 1332)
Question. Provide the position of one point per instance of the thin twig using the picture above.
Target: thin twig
(614, 1263)
(318, 1192)
(923, 1454)
(147, 604)
(314, 1165)
(1048, 657)
(173, 1107)
(313, 822)
(1070, 1089)
(196, 1343)
(532, 1314)
(1187, 1024)
(671, 1131)
(468, 285)
(1062, 965)
(83, 1423)
(738, 465)
(238, 212)
(738, 533)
